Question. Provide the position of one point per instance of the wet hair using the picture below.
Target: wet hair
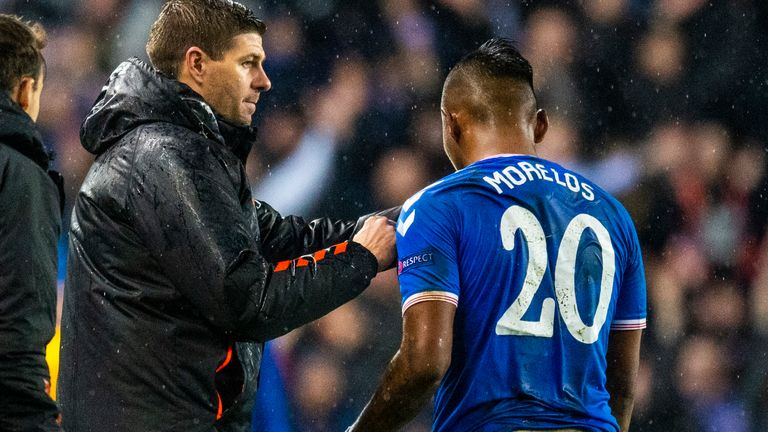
(20, 43)
(497, 58)
(208, 24)
(492, 79)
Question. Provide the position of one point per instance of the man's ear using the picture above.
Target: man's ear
(453, 126)
(541, 126)
(194, 65)
(22, 94)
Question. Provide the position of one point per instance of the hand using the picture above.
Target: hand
(378, 236)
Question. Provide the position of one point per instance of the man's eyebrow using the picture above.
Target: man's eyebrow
(252, 56)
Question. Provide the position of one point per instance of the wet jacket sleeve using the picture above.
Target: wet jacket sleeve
(291, 236)
(197, 221)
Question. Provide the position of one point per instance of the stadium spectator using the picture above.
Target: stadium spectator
(31, 200)
(704, 380)
(550, 44)
(176, 274)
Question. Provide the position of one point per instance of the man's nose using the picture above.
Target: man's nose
(261, 81)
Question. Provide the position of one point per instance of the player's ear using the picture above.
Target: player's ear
(453, 126)
(541, 126)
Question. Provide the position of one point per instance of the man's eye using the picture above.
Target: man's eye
(248, 63)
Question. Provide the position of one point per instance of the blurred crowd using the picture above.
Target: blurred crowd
(664, 103)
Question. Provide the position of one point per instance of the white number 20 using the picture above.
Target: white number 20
(511, 323)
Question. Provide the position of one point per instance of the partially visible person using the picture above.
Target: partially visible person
(177, 275)
(30, 223)
(522, 282)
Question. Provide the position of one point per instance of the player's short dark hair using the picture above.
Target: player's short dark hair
(20, 43)
(497, 58)
(491, 80)
(208, 24)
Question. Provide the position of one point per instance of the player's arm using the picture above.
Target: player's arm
(416, 369)
(623, 354)
(623, 361)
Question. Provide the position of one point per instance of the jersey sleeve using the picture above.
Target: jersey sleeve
(426, 247)
(631, 304)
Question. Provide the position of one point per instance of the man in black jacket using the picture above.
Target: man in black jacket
(176, 274)
(30, 222)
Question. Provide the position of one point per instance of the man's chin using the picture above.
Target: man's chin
(244, 121)
(240, 120)
(246, 118)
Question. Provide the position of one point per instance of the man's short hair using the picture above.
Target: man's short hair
(490, 81)
(20, 43)
(497, 58)
(208, 24)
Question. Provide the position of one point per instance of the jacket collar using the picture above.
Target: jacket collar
(18, 131)
(239, 139)
(137, 94)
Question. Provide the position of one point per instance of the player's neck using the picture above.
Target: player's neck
(496, 146)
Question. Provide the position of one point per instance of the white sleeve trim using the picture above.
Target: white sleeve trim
(629, 324)
(423, 296)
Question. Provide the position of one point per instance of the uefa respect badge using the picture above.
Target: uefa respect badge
(419, 259)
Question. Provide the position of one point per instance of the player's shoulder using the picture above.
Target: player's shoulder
(610, 202)
(437, 201)
(611, 209)
(601, 195)
(438, 192)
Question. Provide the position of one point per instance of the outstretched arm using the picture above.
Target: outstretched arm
(307, 288)
(198, 228)
(288, 237)
(415, 371)
(623, 361)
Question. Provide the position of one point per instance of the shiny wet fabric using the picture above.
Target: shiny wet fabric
(173, 281)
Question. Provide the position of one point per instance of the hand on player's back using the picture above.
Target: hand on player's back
(378, 236)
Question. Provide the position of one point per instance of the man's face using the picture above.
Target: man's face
(234, 83)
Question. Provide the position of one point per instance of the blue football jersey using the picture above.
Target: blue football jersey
(542, 265)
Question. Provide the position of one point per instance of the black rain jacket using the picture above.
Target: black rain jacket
(30, 223)
(175, 274)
